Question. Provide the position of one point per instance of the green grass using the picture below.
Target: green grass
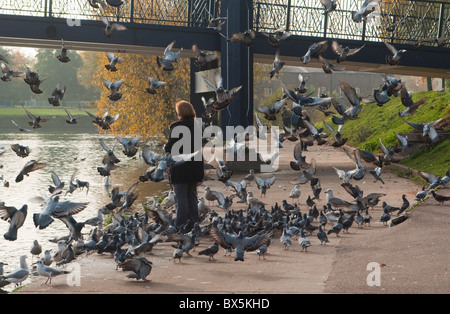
(39, 111)
(374, 123)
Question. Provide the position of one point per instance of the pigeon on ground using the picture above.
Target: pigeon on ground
(404, 206)
(343, 52)
(304, 242)
(295, 192)
(285, 239)
(15, 217)
(322, 236)
(385, 217)
(440, 198)
(49, 272)
(239, 242)
(210, 251)
(262, 251)
(337, 227)
(421, 194)
(394, 57)
(140, 267)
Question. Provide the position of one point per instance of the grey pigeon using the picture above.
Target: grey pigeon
(322, 236)
(301, 86)
(329, 67)
(210, 251)
(21, 150)
(224, 96)
(177, 253)
(72, 119)
(385, 217)
(277, 64)
(113, 61)
(367, 7)
(33, 80)
(407, 101)
(304, 241)
(343, 52)
(105, 121)
(337, 227)
(355, 102)
(262, 251)
(394, 57)
(246, 37)
(239, 242)
(421, 194)
(203, 58)
(264, 184)
(270, 113)
(285, 239)
(49, 272)
(339, 140)
(153, 85)
(329, 5)
(8, 73)
(30, 166)
(440, 198)
(62, 57)
(166, 62)
(140, 267)
(314, 51)
(215, 23)
(19, 275)
(36, 120)
(277, 37)
(377, 174)
(110, 156)
(15, 217)
(404, 206)
(113, 88)
(130, 145)
(52, 208)
(111, 27)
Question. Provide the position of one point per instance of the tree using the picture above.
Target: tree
(142, 114)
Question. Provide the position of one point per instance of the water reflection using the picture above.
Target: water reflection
(64, 153)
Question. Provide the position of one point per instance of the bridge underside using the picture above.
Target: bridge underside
(152, 39)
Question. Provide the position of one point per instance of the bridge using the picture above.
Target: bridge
(152, 24)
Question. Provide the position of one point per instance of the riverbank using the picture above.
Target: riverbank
(402, 252)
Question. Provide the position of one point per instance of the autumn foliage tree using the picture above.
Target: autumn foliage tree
(142, 114)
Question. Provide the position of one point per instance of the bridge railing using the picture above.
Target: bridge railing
(188, 13)
(397, 21)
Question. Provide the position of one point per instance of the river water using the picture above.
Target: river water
(64, 154)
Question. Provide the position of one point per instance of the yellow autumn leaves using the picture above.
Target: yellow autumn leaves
(141, 114)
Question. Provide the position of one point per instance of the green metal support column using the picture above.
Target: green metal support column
(237, 63)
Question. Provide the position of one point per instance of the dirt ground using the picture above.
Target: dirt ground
(411, 257)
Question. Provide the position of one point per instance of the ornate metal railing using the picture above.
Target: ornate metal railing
(188, 13)
(397, 21)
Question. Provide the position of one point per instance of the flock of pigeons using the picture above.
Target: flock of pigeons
(128, 240)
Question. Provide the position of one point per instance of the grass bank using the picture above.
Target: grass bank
(374, 123)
